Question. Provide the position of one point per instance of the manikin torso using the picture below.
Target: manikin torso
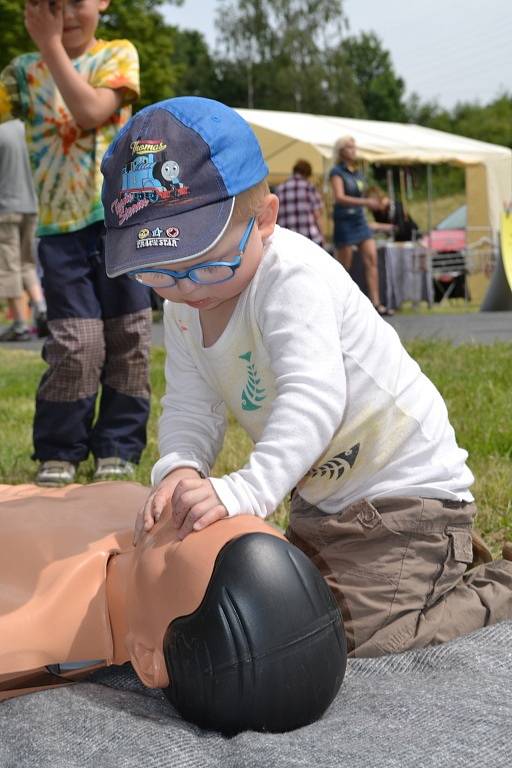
(73, 588)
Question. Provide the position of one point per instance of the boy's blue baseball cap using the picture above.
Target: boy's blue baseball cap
(170, 181)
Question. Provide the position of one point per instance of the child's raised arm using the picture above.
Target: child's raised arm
(90, 106)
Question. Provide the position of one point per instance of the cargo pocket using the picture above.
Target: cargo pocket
(459, 555)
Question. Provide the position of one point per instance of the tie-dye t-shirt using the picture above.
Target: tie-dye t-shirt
(65, 158)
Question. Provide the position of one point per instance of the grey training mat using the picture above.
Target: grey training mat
(450, 706)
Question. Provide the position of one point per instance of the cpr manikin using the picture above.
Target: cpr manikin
(233, 623)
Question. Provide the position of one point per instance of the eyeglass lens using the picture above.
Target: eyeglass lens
(201, 275)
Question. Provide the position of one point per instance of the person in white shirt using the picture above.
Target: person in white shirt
(260, 320)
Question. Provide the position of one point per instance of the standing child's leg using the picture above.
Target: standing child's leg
(399, 570)
(119, 435)
(74, 351)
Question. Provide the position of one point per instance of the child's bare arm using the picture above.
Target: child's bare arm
(90, 106)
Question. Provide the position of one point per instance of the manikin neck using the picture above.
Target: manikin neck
(118, 568)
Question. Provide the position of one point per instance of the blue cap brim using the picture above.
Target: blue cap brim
(167, 240)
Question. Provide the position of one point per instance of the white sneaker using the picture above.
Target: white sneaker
(55, 473)
(113, 468)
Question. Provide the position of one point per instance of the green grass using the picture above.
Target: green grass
(474, 380)
(448, 307)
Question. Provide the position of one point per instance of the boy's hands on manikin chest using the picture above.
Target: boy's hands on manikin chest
(187, 498)
(195, 505)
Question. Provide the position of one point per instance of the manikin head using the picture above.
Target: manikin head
(236, 625)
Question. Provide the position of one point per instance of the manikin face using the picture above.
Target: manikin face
(168, 580)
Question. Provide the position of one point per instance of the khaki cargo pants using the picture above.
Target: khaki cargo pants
(398, 568)
(17, 262)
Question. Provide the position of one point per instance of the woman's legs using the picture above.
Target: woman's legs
(344, 254)
(368, 252)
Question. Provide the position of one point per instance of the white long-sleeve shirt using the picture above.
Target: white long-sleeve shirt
(333, 402)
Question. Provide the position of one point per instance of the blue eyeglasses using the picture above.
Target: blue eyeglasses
(208, 273)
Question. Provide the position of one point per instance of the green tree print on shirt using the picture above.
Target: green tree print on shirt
(252, 394)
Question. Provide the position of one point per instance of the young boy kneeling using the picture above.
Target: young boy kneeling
(262, 321)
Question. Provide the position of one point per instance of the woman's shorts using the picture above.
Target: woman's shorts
(351, 231)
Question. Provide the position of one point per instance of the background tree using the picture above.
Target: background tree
(490, 122)
(427, 113)
(196, 73)
(339, 89)
(14, 38)
(279, 47)
(380, 89)
(274, 54)
(140, 21)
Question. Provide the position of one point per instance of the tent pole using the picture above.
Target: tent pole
(326, 165)
(328, 232)
(429, 206)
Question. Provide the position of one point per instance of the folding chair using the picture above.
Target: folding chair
(449, 276)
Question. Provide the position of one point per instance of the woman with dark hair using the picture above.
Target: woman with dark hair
(300, 204)
(350, 226)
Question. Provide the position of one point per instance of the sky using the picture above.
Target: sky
(445, 50)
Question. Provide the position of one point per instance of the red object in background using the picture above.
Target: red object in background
(450, 234)
(447, 244)
(447, 240)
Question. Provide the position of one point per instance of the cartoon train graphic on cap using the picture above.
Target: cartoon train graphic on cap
(146, 177)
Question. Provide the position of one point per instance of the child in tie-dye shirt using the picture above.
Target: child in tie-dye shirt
(74, 95)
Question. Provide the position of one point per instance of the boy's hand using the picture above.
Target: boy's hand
(195, 505)
(159, 500)
(44, 21)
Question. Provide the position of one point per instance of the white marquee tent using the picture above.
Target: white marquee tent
(287, 136)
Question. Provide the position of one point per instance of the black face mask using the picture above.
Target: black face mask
(265, 650)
